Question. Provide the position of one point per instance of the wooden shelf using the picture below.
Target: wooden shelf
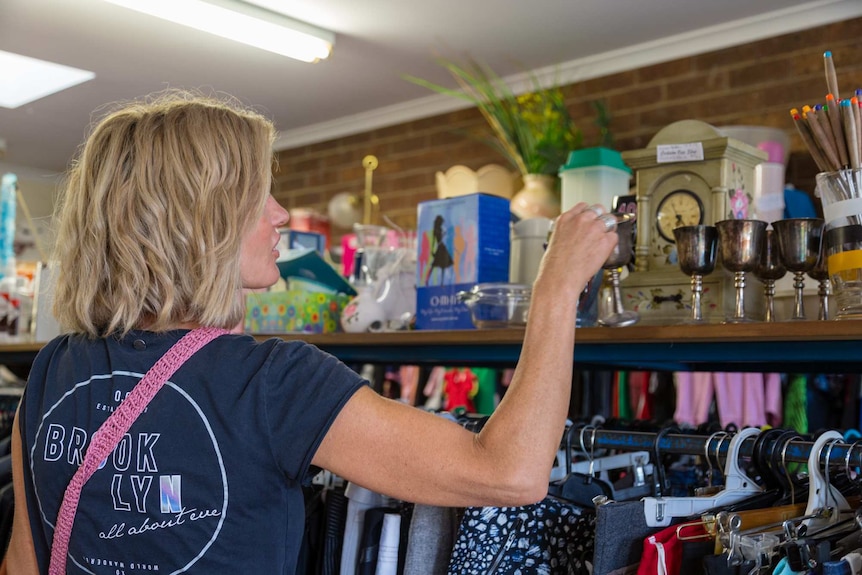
(805, 346)
(786, 347)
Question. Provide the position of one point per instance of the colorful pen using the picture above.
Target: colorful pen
(831, 77)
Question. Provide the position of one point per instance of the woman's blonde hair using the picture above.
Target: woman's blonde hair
(154, 211)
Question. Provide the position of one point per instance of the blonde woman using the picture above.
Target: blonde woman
(166, 217)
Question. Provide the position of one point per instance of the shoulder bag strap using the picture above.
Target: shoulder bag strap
(106, 438)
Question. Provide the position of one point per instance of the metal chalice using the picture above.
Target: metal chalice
(739, 243)
(799, 239)
(696, 252)
(769, 269)
(622, 255)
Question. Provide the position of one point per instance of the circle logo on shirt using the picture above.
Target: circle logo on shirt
(163, 486)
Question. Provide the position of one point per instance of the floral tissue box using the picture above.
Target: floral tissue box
(294, 311)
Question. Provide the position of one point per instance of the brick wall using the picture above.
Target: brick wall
(755, 83)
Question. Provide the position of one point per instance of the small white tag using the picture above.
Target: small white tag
(669, 153)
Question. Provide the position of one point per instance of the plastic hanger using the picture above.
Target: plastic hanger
(659, 511)
(776, 487)
(768, 475)
(602, 465)
(796, 489)
(640, 471)
(821, 493)
(636, 461)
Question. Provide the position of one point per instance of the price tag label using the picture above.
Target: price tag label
(669, 153)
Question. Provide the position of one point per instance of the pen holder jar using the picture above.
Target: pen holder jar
(841, 195)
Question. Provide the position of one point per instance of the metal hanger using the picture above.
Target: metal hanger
(711, 489)
(582, 489)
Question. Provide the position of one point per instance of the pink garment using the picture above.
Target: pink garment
(409, 383)
(694, 395)
(774, 399)
(433, 389)
(744, 399)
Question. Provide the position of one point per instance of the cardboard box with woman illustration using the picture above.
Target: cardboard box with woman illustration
(461, 241)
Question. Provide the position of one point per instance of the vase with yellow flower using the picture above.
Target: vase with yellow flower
(533, 130)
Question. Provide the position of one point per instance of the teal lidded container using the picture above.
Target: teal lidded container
(594, 176)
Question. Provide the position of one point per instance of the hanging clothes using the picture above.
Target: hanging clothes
(639, 395)
(409, 383)
(485, 399)
(390, 542)
(336, 519)
(622, 403)
(551, 537)
(460, 387)
(430, 539)
(433, 389)
(796, 403)
(620, 531)
(742, 399)
(360, 501)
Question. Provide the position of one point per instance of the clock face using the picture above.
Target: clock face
(678, 208)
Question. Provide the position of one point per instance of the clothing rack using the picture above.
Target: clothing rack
(795, 450)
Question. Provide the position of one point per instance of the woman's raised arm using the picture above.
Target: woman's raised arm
(416, 456)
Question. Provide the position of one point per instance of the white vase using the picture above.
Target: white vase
(537, 199)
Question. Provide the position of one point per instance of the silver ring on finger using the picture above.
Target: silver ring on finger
(610, 221)
(597, 209)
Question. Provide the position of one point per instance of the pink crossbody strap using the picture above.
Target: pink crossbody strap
(106, 438)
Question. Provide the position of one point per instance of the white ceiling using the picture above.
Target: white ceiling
(361, 86)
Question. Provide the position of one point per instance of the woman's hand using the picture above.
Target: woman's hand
(580, 243)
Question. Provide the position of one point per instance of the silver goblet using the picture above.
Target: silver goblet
(769, 269)
(739, 243)
(820, 273)
(799, 239)
(696, 252)
(621, 255)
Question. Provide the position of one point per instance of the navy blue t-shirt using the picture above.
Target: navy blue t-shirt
(208, 479)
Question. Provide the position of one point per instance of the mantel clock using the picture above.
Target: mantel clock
(688, 174)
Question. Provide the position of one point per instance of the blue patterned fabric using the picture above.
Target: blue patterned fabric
(841, 567)
(551, 537)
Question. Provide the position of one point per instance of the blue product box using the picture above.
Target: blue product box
(461, 241)
(301, 240)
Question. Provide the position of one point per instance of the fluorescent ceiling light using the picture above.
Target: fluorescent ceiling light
(27, 79)
(244, 23)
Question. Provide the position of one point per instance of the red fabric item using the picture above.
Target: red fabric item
(640, 396)
(662, 554)
(460, 386)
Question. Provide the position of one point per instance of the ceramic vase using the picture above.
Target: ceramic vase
(538, 198)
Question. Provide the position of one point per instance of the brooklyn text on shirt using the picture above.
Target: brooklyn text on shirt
(147, 488)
